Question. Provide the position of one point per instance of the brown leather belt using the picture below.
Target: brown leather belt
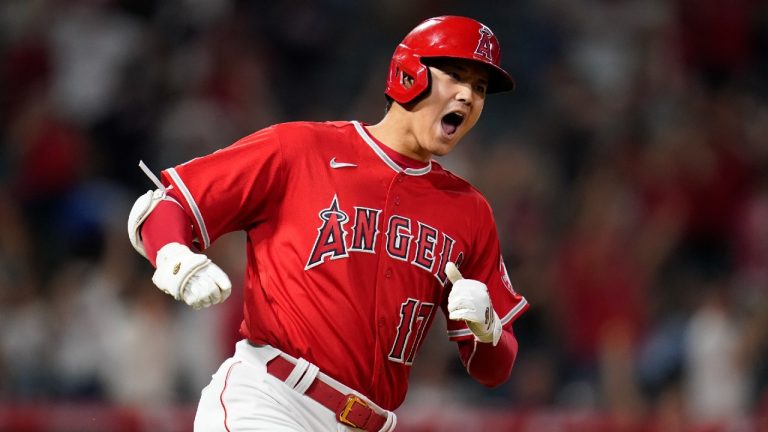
(349, 408)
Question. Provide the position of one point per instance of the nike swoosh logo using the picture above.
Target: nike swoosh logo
(335, 164)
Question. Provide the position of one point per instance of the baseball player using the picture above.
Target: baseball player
(356, 238)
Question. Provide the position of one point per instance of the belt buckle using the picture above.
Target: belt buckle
(351, 401)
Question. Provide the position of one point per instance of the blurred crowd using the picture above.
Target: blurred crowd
(628, 173)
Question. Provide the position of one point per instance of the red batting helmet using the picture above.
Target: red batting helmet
(445, 36)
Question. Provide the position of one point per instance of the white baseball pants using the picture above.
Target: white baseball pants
(242, 396)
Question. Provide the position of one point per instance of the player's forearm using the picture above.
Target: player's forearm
(168, 223)
(490, 365)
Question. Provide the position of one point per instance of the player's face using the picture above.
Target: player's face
(453, 105)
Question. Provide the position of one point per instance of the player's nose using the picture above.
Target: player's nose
(464, 93)
(465, 97)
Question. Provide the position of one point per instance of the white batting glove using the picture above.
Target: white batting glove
(190, 277)
(469, 301)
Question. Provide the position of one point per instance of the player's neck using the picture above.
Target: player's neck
(395, 131)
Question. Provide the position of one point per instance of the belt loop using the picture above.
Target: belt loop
(307, 379)
(297, 372)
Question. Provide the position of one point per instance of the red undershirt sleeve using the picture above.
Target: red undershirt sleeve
(168, 223)
(489, 365)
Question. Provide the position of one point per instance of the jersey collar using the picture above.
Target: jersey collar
(384, 157)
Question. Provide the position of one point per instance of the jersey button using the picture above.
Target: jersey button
(400, 178)
(397, 200)
(388, 274)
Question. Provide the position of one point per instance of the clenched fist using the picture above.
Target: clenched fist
(469, 301)
(190, 277)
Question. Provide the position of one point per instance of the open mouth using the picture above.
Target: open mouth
(451, 122)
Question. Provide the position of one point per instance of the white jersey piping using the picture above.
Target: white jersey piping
(384, 157)
(192, 205)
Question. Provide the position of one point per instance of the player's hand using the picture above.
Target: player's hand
(469, 301)
(190, 277)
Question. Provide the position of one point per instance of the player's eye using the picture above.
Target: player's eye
(481, 88)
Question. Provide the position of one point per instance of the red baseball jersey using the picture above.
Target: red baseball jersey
(346, 249)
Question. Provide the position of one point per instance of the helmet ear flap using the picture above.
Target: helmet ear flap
(408, 77)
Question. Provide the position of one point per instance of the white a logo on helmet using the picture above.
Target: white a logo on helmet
(484, 44)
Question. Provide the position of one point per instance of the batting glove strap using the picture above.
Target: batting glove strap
(469, 301)
(190, 277)
(487, 333)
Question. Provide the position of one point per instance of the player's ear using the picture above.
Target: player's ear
(406, 80)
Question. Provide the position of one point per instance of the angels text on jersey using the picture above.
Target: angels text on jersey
(416, 242)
